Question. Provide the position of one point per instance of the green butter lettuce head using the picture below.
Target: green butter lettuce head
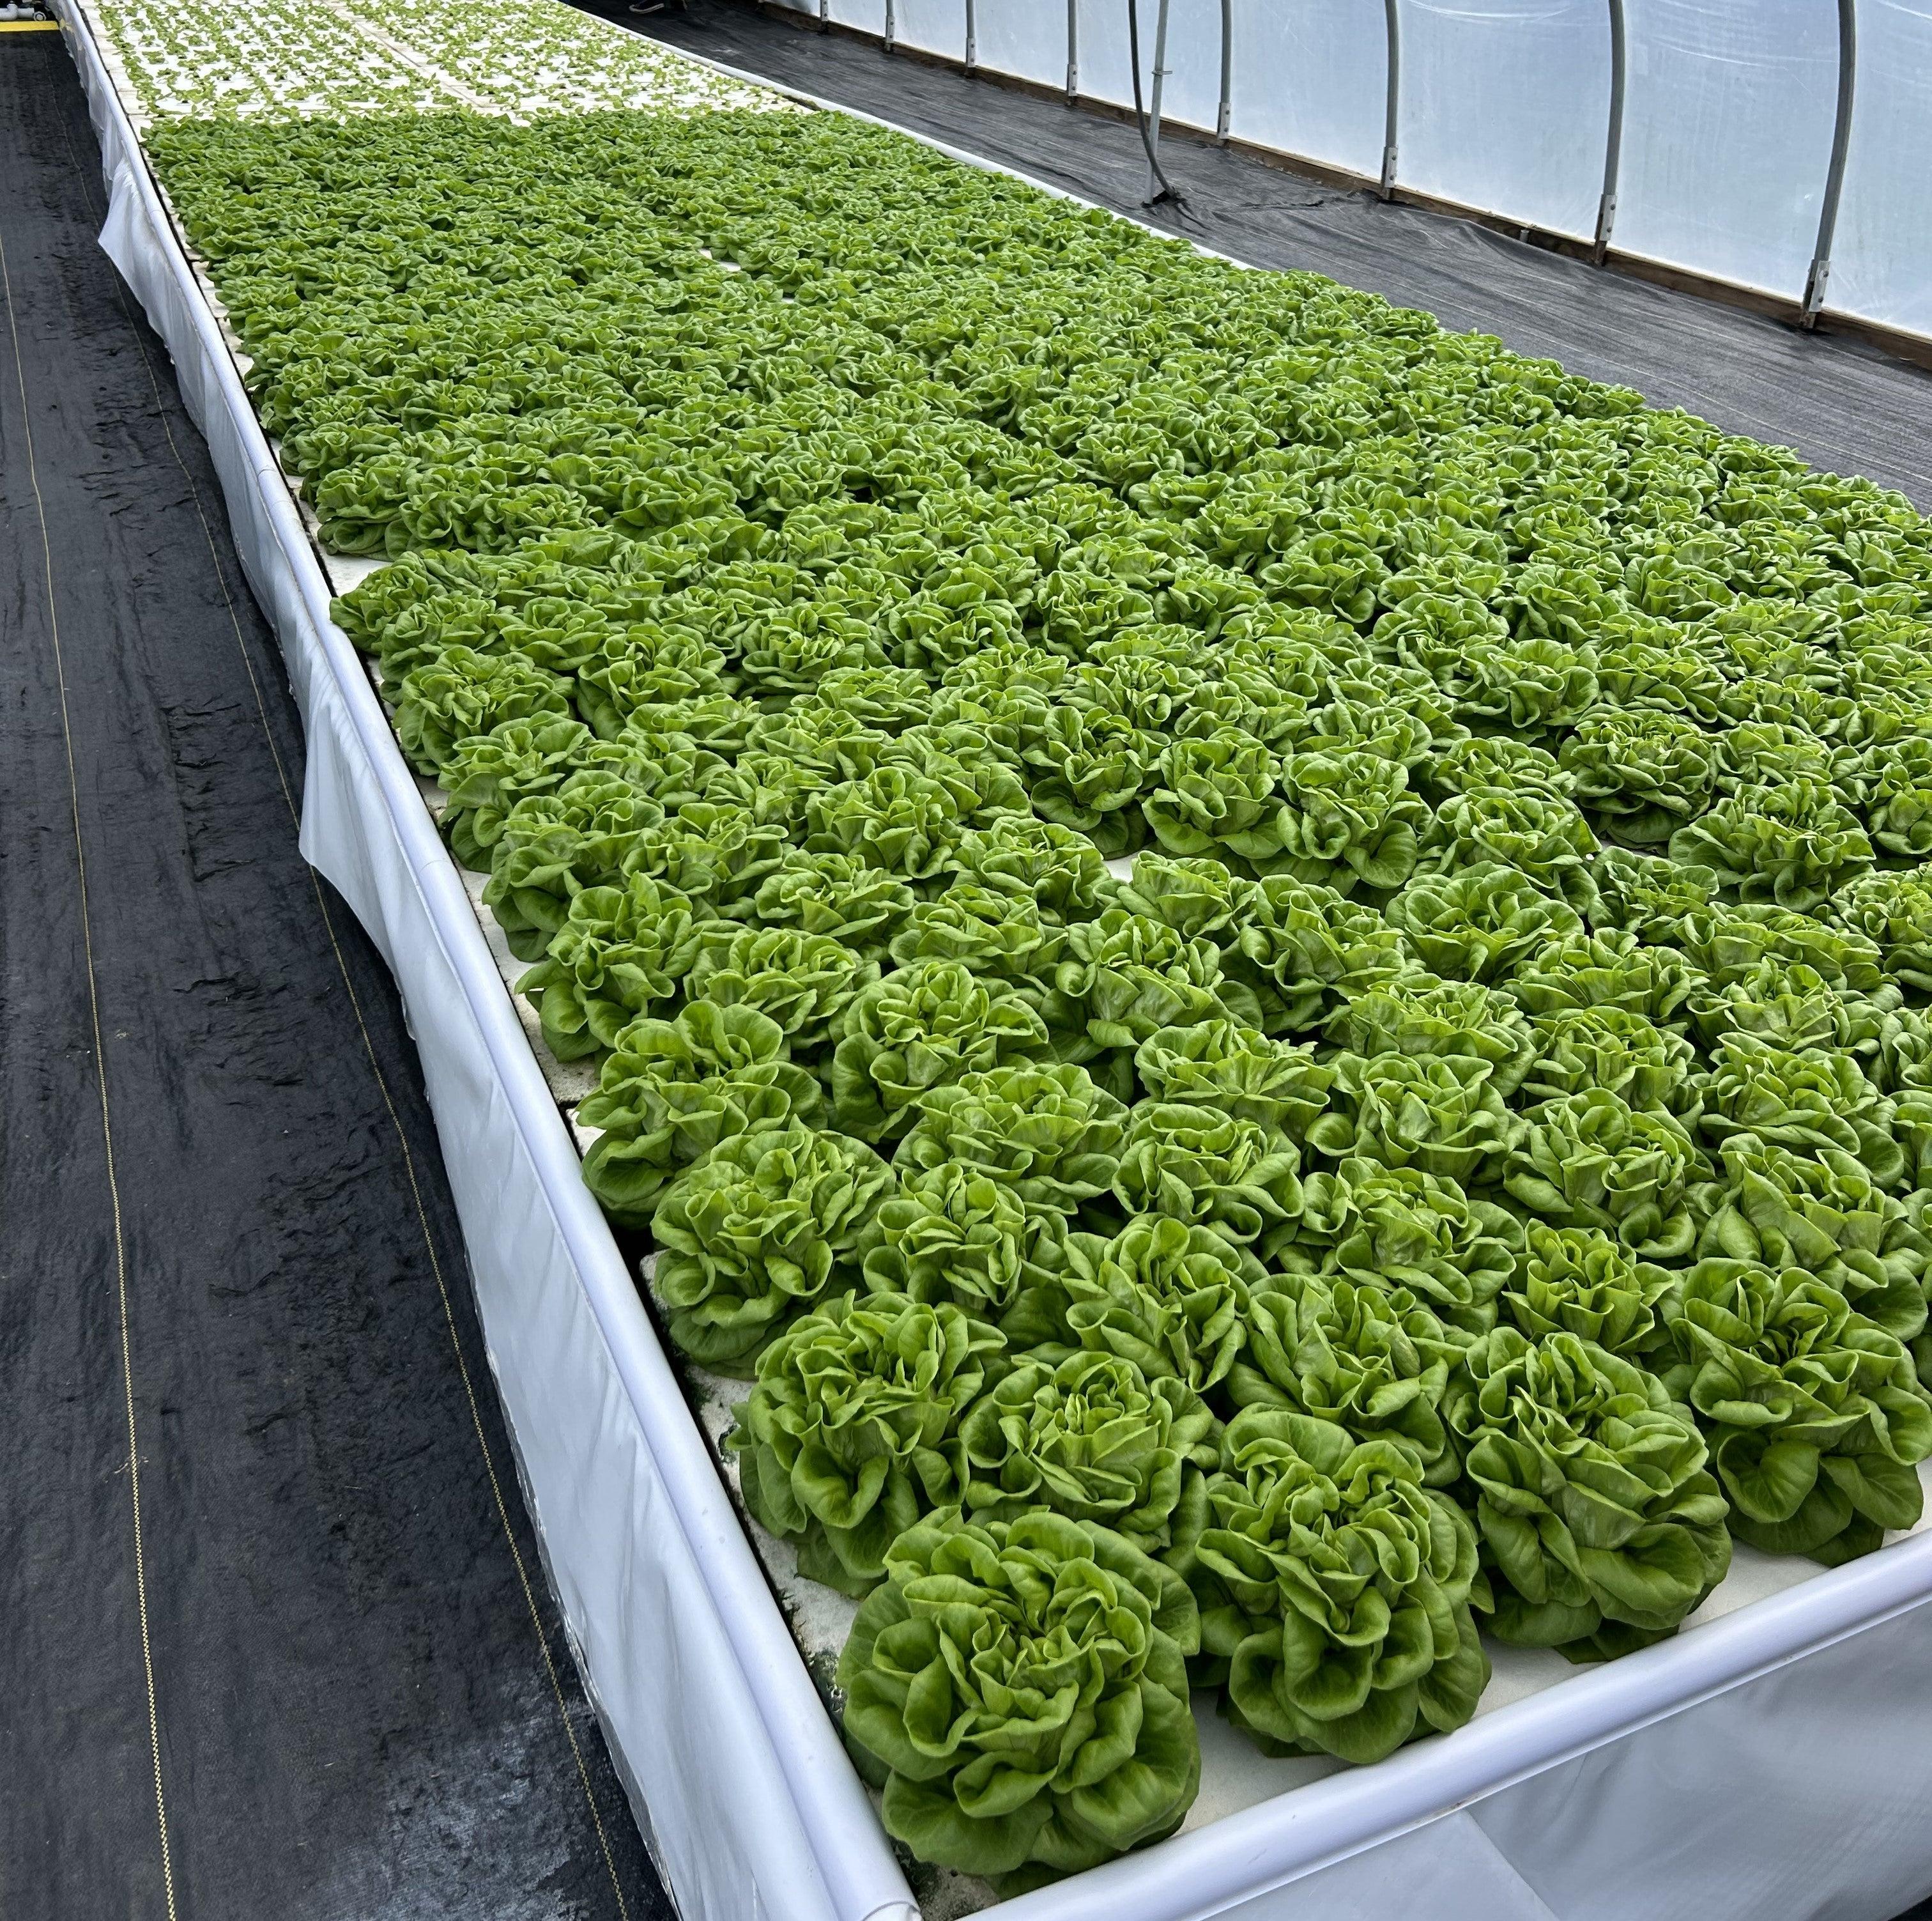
(1480, 923)
(1792, 1005)
(959, 1233)
(1062, 870)
(1313, 948)
(1170, 1297)
(1816, 1418)
(852, 1432)
(486, 774)
(1216, 793)
(1614, 1049)
(1237, 1070)
(1823, 1212)
(1202, 899)
(1398, 1228)
(997, 931)
(670, 1090)
(1334, 1590)
(1640, 773)
(1019, 1690)
(1441, 1115)
(756, 1233)
(922, 1027)
(1047, 1132)
(621, 952)
(1350, 820)
(461, 694)
(1897, 798)
(1609, 970)
(1091, 1438)
(833, 896)
(1202, 1163)
(898, 821)
(1646, 895)
(716, 853)
(1122, 980)
(1493, 760)
(1580, 1280)
(1890, 912)
(1089, 769)
(1374, 1360)
(1805, 1101)
(1544, 839)
(806, 982)
(1726, 943)
(1590, 1160)
(1793, 844)
(1601, 1525)
(1432, 1019)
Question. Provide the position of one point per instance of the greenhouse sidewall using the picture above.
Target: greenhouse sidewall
(1794, 1783)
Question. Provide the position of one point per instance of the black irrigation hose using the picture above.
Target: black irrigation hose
(1167, 192)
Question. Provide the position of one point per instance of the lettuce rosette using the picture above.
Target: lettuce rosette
(1807, 1101)
(851, 1432)
(1816, 1417)
(671, 1090)
(959, 1233)
(1092, 1438)
(1441, 1115)
(1374, 1360)
(1334, 1590)
(1201, 1163)
(1430, 1018)
(755, 1234)
(1582, 1281)
(1216, 793)
(833, 896)
(1601, 1525)
(1239, 1071)
(1018, 1689)
(1480, 923)
(1614, 1049)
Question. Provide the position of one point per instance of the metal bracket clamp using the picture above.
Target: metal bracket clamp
(824, 16)
(1392, 110)
(1835, 178)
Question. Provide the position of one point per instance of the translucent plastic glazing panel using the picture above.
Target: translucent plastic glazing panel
(1506, 105)
(935, 26)
(1311, 77)
(869, 16)
(1727, 135)
(1104, 72)
(1027, 37)
(1881, 257)
(1193, 91)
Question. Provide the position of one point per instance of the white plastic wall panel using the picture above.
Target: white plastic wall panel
(935, 26)
(1506, 106)
(1311, 78)
(1881, 257)
(1105, 73)
(1193, 92)
(1026, 37)
(868, 16)
(1727, 135)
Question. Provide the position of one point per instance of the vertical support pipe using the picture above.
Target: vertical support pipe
(1072, 51)
(892, 24)
(1613, 148)
(824, 16)
(1224, 119)
(1835, 178)
(972, 38)
(1393, 113)
(1154, 185)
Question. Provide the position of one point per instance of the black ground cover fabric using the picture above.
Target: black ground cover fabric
(1845, 405)
(353, 1690)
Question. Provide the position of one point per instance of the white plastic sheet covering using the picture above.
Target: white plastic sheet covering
(1027, 38)
(1773, 1761)
(1727, 135)
(1882, 259)
(1506, 106)
(1311, 77)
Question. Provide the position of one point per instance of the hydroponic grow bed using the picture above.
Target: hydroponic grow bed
(609, 1455)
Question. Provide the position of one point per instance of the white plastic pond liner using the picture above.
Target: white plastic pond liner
(1775, 1761)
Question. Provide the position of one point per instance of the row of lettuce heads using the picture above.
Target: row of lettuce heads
(1475, 1166)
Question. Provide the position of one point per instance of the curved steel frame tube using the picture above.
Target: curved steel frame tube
(972, 38)
(1613, 148)
(1072, 51)
(1835, 178)
(1394, 108)
(1222, 117)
